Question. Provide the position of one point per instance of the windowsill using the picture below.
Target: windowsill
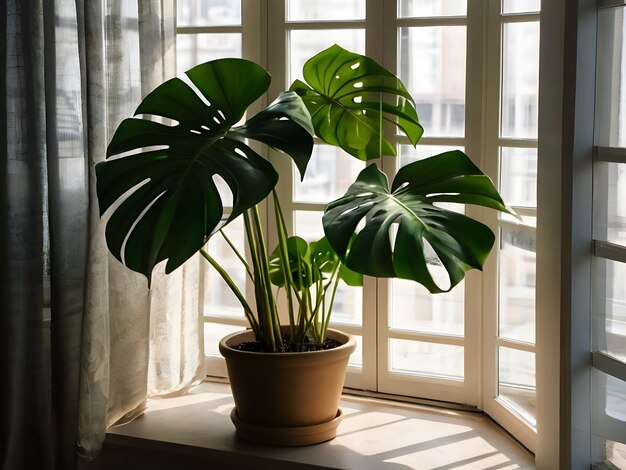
(194, 431)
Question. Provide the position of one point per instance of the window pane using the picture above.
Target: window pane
(308, 225)
(425, 8)
(208, 12)
(218, 298)
(414, 308)
(609, 201)
(328, 175)
(517, 285)
(520, 80)
(348, 306)
(430, 359)
(609, 307)
(304, 10)
(610, 109)
(520, 6)
(432, 66)
(194, 49)
(608, 397)
(305, 44)
(516, 381)
(213, 333)
(356, 358)
(615, 399)
(616, 453)
(518, 176)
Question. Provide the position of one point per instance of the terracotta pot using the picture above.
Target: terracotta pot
(286, 398)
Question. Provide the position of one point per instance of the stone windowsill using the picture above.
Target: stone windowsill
(194, 431)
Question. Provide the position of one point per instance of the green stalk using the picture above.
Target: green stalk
(235, 290)
(236, 251)
(260, 294)
(332, 300)
(284, 260)
(274, 322)
(305, 318)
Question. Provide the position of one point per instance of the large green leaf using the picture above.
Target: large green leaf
(424, 232)
(171, 204)
(350, 96)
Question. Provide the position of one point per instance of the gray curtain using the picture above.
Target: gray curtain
(83, 342)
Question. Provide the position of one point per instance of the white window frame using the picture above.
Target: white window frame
(497, 408)
(478, 390)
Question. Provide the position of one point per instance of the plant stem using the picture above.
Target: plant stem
(284, 260)
(264, 261)
(235, 290)
(241, 258)
(335, 284)
(260, 293)
(268, 316)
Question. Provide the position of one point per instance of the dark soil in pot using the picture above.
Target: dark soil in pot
(309, 345)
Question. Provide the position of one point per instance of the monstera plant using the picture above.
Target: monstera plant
(160, 185)
(159, 188)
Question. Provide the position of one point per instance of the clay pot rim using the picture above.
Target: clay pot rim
(346, 348)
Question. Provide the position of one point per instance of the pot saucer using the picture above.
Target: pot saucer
(287, 436)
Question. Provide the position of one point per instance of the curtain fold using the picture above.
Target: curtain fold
(83, 341)
(24, 417)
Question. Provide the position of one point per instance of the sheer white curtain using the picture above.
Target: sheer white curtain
(83, 341)
(136, 342)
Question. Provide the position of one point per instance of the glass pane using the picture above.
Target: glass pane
(308, 225)
(305, 10)
(208, 12)
(218, 298)
(328, 175)
(518, 176)
(520, 6)
(356, 358)
(414, 308)
(432, 66)
(609, 307)
(408, 154)
(213, 333)
(609, 202)
(520, 80)
(425, 8)
(348, 306)
(608, 398)
(516, 381)
(194, 49)
(305, 44)
(615, 402)
(517, 285)
(610, 109)
(430, 359)
(616, 453)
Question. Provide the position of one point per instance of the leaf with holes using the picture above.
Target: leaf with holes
(350, 97)
(170, 203)
(424, 232)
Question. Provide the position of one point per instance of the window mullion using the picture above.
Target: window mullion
(609, 250)
(609, 365)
